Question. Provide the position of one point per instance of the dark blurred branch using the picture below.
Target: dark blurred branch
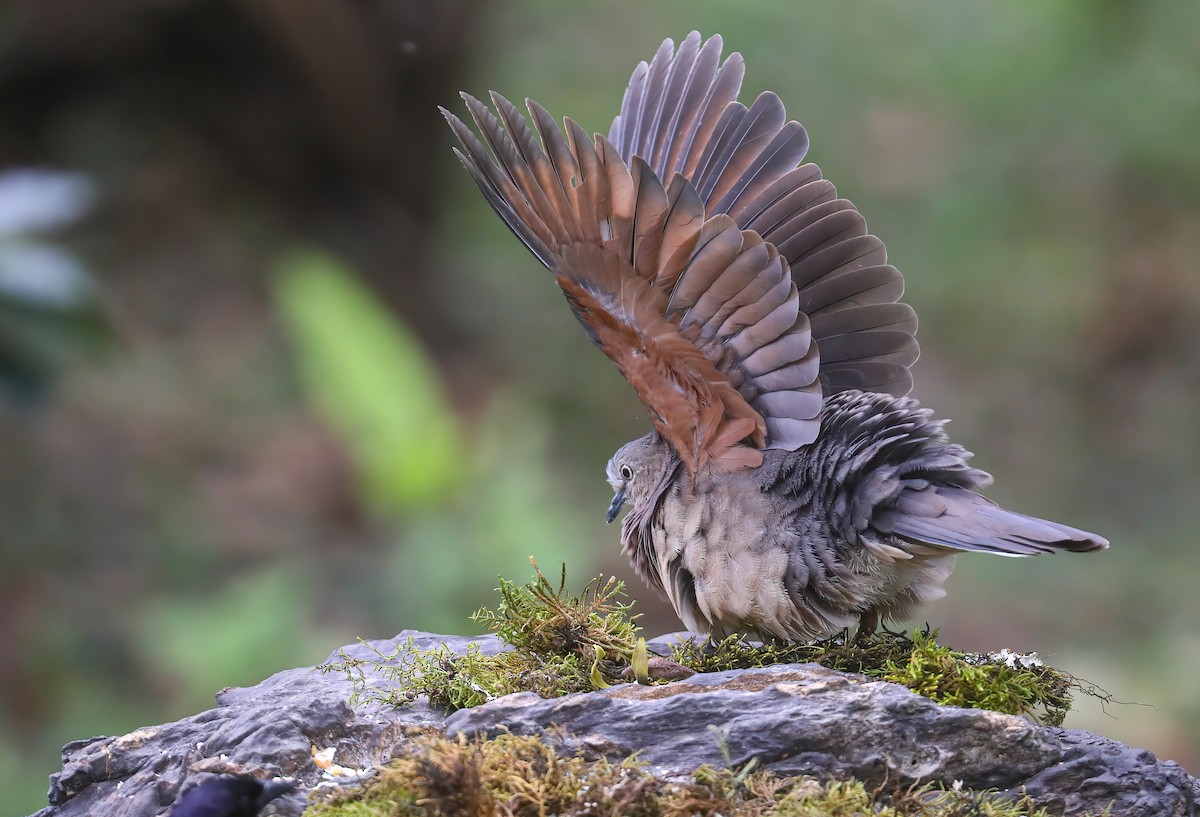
(321, 113)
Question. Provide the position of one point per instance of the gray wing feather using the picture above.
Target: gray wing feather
(680, 114)
(856, 253)
(960, 519)
(793, 193)
(883, 469)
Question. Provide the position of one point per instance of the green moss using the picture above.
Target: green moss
(918, 662)
(538, 619)
(983, 682)
(839, 653)
(532, 777)
(563, 643)
(457, 681)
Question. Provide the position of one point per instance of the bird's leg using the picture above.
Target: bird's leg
(868, 622)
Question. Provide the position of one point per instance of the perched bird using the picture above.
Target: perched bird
(789, 488)
(230, 796)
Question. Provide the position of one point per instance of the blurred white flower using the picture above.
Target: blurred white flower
(41, 199)
(34, 272)
(49, 309)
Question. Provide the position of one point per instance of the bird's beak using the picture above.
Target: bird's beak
(615, 507)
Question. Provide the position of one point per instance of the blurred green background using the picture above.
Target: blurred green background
(274, 377)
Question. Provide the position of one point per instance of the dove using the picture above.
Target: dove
(790, 487)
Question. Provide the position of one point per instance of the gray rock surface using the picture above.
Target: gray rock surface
(796, 719)
(267, 730)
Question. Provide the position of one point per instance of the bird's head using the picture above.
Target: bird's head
(637, 472)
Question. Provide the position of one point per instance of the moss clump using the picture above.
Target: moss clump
(563, 643)
(531, 777)
(918, 662)
(538, 619)
(983, 682)
(844, 654)
(457, 681)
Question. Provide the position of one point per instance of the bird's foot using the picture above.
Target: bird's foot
(868, 622)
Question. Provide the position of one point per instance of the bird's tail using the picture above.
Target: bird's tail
(894, 471)
(948, 516)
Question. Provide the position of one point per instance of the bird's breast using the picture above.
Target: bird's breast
(721, 555)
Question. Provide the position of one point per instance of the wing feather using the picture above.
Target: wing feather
(706, 88)
(646, 274)
(960, 519)
(743, 162)
(728, 282)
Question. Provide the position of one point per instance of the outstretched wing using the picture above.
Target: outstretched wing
(702, 318)
(680, 114)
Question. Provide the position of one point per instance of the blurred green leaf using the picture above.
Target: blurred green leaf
(515, 502)
(372, 381)
(253, 626)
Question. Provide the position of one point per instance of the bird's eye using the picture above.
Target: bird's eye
(626, 472)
